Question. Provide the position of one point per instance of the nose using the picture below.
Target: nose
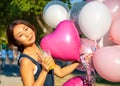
(27, 34)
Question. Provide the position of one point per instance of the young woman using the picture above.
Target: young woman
(35, 68)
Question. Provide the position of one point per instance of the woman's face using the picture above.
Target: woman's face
(24, 35)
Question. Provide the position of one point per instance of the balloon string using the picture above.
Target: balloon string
(88, 67)
(90, 78)
(95, 46)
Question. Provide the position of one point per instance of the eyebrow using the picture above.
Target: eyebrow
(20, 31)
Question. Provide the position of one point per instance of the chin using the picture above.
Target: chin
(30, 43)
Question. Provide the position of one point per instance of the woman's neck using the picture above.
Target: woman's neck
(33, 51)
(32, 46)
(30, 49)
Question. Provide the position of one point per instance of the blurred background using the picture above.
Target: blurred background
(32, 11)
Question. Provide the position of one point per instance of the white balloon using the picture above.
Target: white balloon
(95, 20)
(100, 0)
(55, 12)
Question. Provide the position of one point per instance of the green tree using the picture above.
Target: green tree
(31, 10)
(35, 8)
(4, 16)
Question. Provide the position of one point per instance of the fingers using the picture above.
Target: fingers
(48, 63)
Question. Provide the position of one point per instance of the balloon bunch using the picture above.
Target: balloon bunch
(98, 21)
(106, 60)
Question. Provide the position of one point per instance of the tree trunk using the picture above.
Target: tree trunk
(40, 24)
(46, 29)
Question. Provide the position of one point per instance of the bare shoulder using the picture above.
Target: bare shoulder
(25, 61)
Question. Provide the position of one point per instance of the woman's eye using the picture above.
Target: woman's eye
(26, 29)
(20, 35)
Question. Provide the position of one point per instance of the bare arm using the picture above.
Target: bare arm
(27, 74)
(61, 72)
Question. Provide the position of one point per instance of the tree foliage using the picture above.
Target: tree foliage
(30, 10)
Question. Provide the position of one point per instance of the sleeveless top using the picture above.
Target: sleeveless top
(50, 76)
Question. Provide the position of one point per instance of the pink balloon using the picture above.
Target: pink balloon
(64, 42)
(88, 46)
(115, 30)
(106, 41)
(116, 15)
(75, 81)
(106, 61)
(113, 5)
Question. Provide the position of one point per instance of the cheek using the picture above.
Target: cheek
(21, 39)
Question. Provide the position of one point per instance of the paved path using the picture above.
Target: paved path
(10, 81)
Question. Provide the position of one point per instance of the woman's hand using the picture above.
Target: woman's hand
(47, 62)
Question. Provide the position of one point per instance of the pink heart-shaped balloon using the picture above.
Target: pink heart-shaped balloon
(64, 42)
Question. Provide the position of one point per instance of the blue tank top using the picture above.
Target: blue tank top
(50, 77)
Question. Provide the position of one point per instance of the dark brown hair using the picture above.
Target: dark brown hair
(11, 40)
